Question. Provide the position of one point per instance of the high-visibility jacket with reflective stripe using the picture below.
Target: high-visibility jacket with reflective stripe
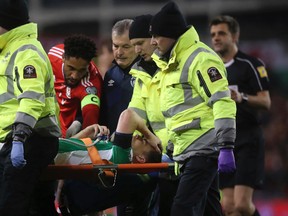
(145, 101)
(195, 98)
(26, 83)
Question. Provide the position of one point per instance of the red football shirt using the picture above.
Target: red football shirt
(81, 100)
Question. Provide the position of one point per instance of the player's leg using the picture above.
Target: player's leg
(227, 201)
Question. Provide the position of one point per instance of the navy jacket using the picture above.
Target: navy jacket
(116, 94)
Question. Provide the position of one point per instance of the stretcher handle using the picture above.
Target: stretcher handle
(102, 175)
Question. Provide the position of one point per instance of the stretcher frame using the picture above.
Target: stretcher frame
(100, 170)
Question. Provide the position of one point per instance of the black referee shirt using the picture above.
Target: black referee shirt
(250, 75)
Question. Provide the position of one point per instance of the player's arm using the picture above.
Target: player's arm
(129, 121)
(90, 103)
(90, 106)
(92, 132)
(261, 100)
(260, 82)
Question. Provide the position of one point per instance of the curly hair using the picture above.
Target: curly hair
(79, 46)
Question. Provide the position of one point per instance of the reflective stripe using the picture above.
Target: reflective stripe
(6, 96)
(157, 125)
(189, 101)
(188, 104)
(24, 117)
(197, 147)
(32, 95)
(226, 129)
(195, 124)
(185, 70)
(224, 123)
(9, 72)
(48, 126)
(217, 96)
(140, 112)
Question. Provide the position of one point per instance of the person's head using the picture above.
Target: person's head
(123, 51)
(140, 37)
(166, 27)
(143, 152)
(78, 53)
(224, 31)
(13, 13)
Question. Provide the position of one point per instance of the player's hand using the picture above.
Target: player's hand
(94, 131)
(236, 96)
(73, 129)
(155, 142)
(17, 154)
(226, 160)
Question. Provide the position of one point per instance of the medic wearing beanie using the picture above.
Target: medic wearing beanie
(199, 113)
(29, 128)
(147, 79)
(145, 102)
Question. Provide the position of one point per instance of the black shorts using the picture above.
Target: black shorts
(249, 157)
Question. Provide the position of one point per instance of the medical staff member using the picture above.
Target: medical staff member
(29, 128)
(147, 79)
(145, 102)
(199, 113)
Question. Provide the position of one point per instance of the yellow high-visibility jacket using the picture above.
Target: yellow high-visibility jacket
(195, 99)
(145, 101)
(26, 83)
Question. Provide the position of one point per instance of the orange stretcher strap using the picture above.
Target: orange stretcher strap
(93, 152)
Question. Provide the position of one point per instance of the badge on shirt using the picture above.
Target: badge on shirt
(91, 90)
(262, 71)
(111, 82)
(214, 74)
(29, 72)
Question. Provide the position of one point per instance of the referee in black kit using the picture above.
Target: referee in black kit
(249, 84)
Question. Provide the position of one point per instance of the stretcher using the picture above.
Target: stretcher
(98, 169)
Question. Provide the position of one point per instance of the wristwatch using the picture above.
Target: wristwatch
(244, 97)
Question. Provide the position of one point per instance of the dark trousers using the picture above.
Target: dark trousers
(138, 205)
(198, 192)
(84, 197)
(167, 190)
(21, 192)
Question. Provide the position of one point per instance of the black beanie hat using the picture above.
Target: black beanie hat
(140, 27)
(13, 13)
(168, 22)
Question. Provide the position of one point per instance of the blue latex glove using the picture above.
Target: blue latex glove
(226, 161)
(17, 155)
